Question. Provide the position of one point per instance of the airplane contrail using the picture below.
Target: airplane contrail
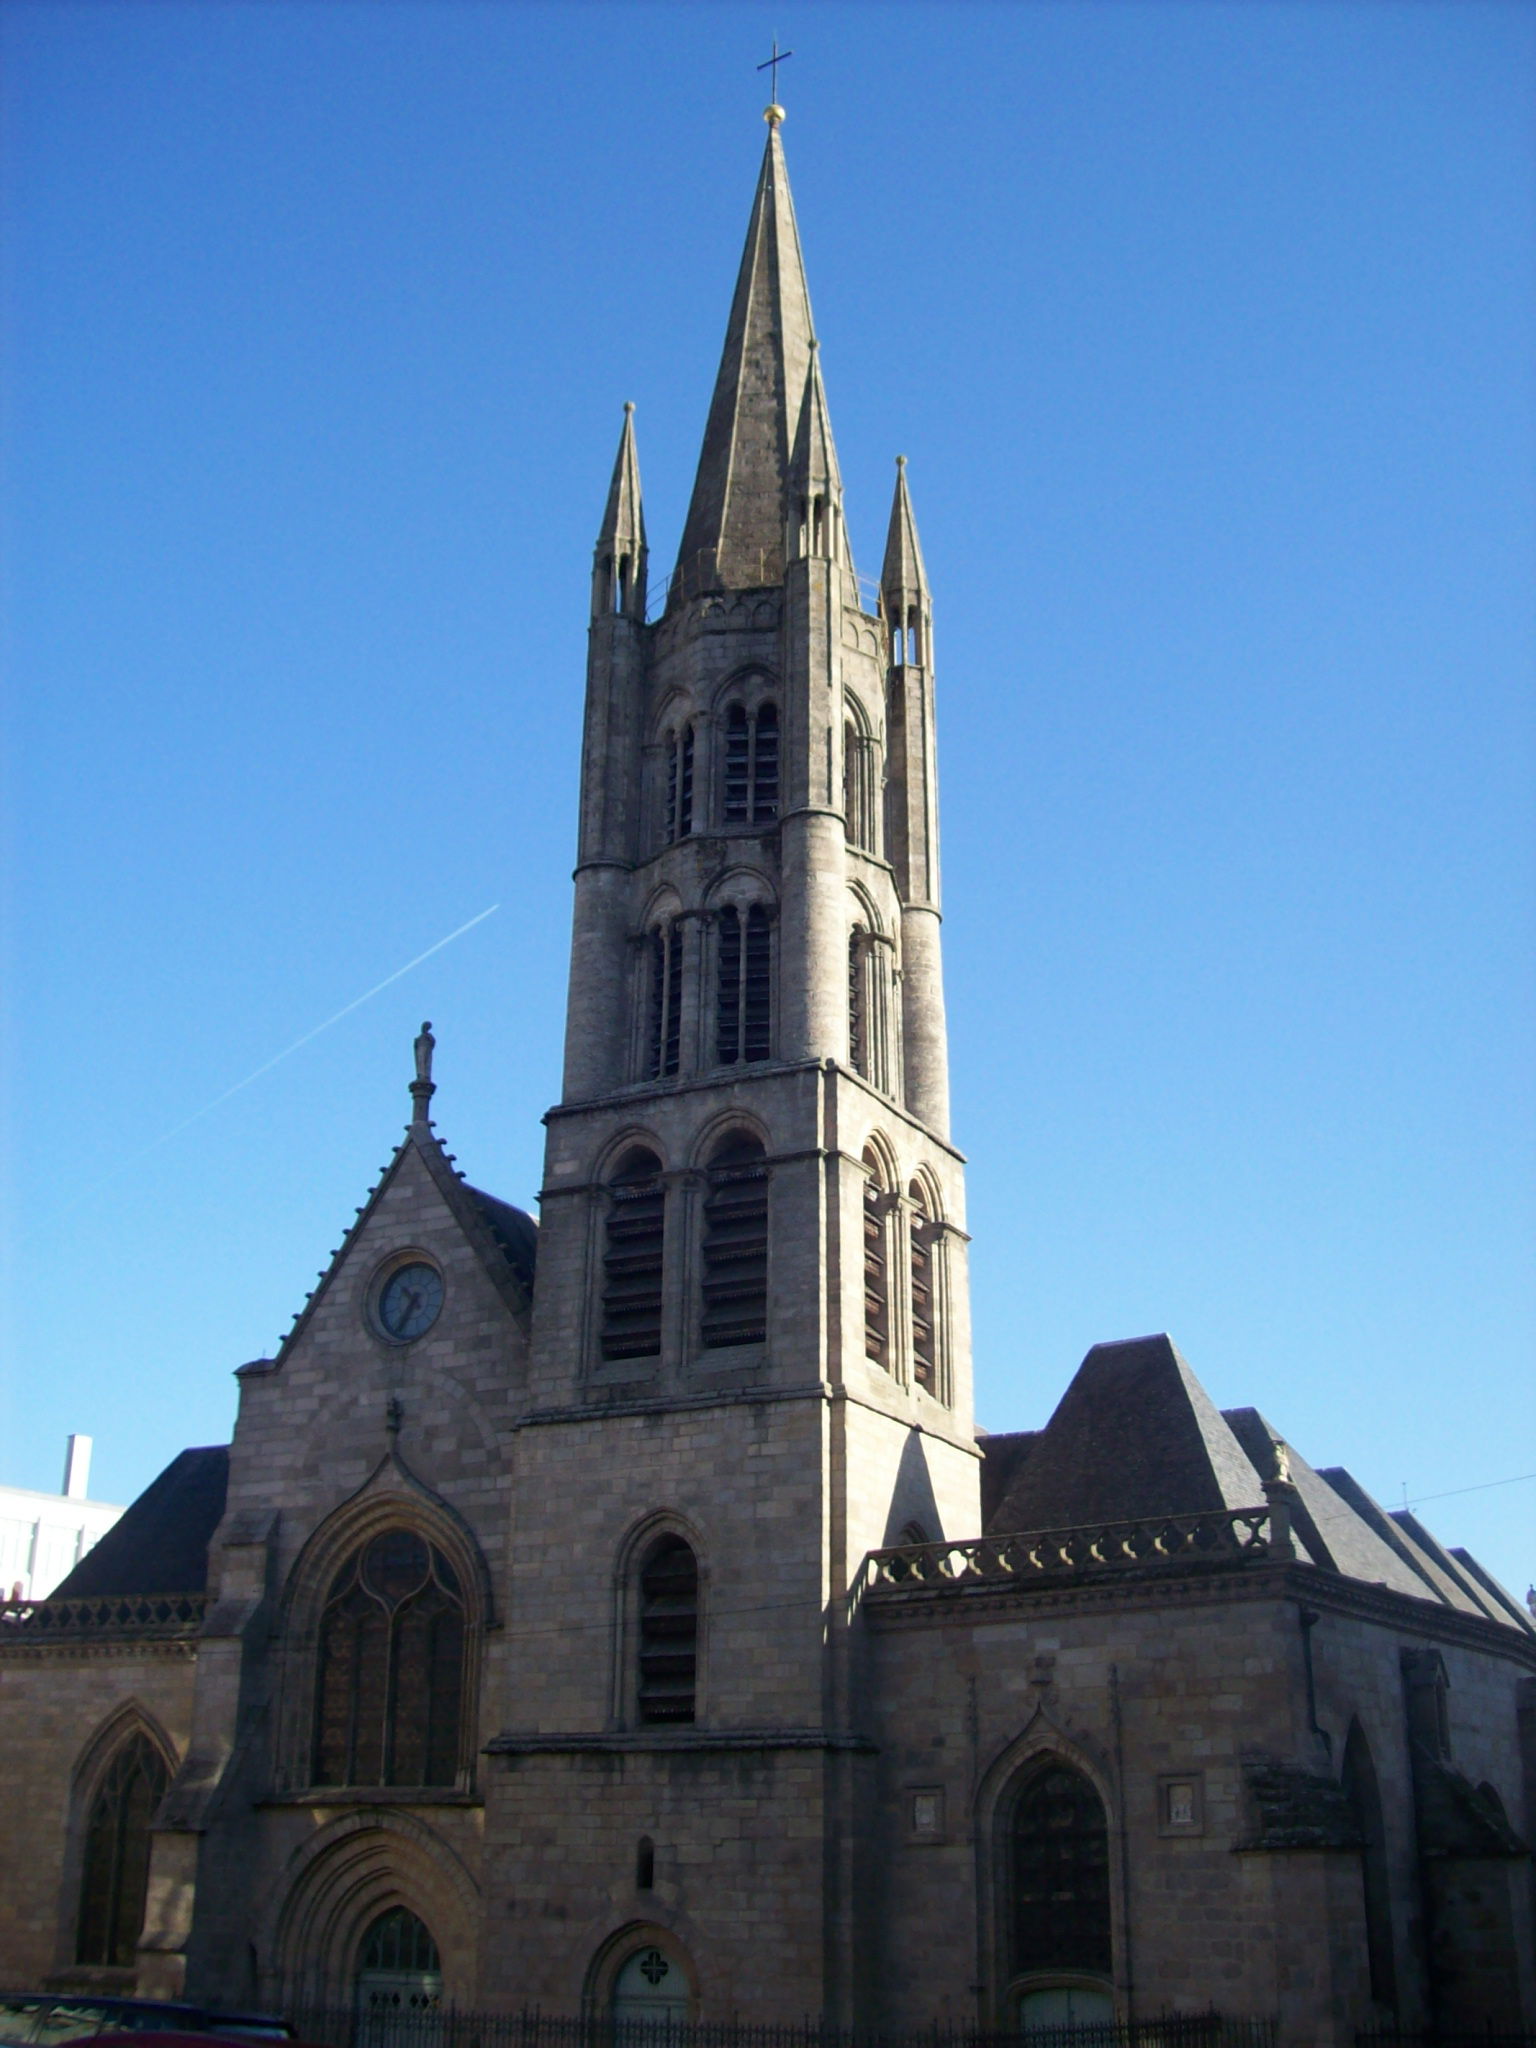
(266, 1066)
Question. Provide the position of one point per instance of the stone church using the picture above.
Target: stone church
(625, 1614)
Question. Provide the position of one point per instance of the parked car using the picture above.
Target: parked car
(41, 2019)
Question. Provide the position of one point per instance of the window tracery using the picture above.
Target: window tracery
(115, 1879)
(390, 1683)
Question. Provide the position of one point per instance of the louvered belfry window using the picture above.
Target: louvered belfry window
(921, 1241)
(1060, 1875)
(116, 1875)
(877, 1297)
(858, 1003)
(391, 1676)
(751, 765)
(632, 1259)
(736, 1245)
(743, 1007)
(665, 1018)
(679, 820)
(765, 766)
(669, 1631)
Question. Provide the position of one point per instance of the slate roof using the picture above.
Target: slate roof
(1136, 1435)
(514, 1230)
(1001, 1457)
(160, 1544)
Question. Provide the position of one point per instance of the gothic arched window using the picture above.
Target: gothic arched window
(632, 1258)
(1361, 1790)
(751, 765)
(735, 1284)
(743, 1008)
(680, 784)
(398, 1968)
(877, 1279)
(1060, 1856)
(390, 1685)
(859, 812)
(765, 766)
(858, 1001)
(665, 1008)
(920, 1238)
(117, 1840)
(669, 1631)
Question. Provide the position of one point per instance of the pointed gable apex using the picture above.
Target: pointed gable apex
(1135, 1434)
(504, 1239)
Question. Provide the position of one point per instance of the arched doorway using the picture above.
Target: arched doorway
(399, 1975)
(1058, 1866)
(650, 1989)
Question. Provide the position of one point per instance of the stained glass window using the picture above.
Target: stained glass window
(117, 1841)
(391, 1676)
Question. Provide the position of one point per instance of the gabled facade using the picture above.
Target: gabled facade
(627, 1617)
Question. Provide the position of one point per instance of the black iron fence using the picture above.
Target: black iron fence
(1488, 2036)
(446, 2027)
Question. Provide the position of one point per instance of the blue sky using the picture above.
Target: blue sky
(1207, 331)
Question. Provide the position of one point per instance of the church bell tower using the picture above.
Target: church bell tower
(751, 1335)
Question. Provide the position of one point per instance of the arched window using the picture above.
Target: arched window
(920, 1238)
(859, 812)
(669, 1631)
(665, 1019)
(390, 1685)
(117, 1840)
(398, 1969)
(632, 1258)
(1060, 1875)
(858, 1000)
(743, 1014)
(680, 784)
(735, 1285)
(751, 783)
(765, 766)
(1360, 1789)
(877, 1287)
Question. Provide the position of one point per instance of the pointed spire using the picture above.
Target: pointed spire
(734, 533)
(904, 580)
(816, 483)
(618, 571)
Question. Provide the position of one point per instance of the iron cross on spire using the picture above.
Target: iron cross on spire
(772, 64)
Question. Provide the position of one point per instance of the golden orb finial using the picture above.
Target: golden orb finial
(773, 113)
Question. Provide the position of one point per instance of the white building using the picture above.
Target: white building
(43, 1536)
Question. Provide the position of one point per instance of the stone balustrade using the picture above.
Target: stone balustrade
(1217, 1537)
(109, 1614)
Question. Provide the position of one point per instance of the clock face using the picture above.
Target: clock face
(409, 1304)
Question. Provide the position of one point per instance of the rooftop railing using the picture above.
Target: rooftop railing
(109, 1614)
(1217, 1537)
